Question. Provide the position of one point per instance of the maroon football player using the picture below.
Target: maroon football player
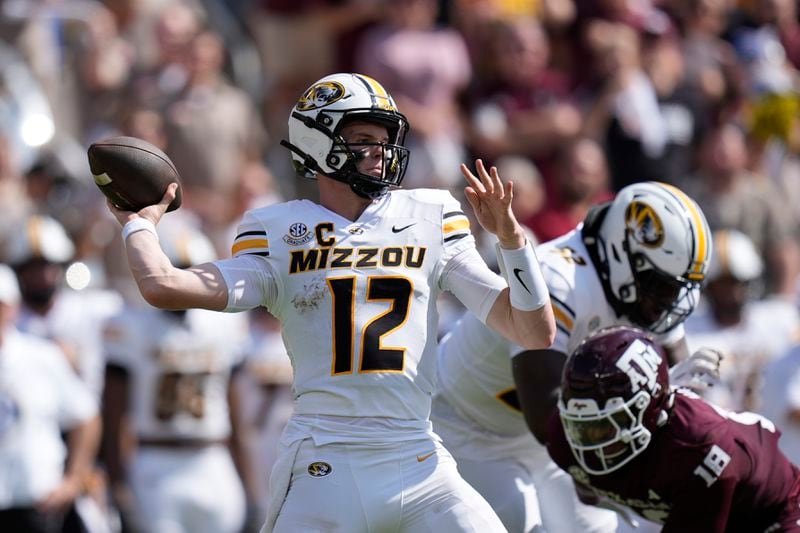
(629, 439)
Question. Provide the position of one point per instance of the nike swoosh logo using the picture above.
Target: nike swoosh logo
(398, 230)
(516, 273)
(421, 458)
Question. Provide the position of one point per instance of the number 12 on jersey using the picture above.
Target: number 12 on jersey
(374, 357)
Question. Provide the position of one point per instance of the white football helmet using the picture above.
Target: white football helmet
(654, 246)
(315, 125)
(39, 237)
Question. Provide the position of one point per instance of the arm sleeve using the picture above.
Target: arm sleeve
(250, 281)
(472, 282)
(249, 276)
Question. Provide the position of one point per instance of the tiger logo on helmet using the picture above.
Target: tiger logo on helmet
(320, 95)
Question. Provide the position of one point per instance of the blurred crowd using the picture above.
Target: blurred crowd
(570, 99)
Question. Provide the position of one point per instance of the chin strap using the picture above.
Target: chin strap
(308, 168)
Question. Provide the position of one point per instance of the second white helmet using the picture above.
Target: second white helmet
(656, 249)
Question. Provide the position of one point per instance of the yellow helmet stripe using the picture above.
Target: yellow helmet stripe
(380, 97)
(701, 253)
(376, 87)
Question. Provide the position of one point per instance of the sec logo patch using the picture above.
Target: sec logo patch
(319, 469)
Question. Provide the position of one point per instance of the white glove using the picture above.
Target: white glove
(698, 372)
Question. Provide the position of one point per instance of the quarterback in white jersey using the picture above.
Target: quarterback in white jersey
(354, 281)
(169, 376)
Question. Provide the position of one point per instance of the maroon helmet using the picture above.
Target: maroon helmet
(614, 390)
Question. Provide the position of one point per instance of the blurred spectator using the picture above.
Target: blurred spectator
(170, 410)
(26, 114)
(748, 332)
(425, 68)
(14, 201)
(298, 43)
(529, 199)
(139, 20)
(529, 195)
(625, 115)
(774, 122)
(213, 130)
(524, 107)
(158, 83)
(710, 61)
(55, 303)
(732, 197)
(40, 397)
(781, 16)
(685, 113)
(582, 181)
(105, 64)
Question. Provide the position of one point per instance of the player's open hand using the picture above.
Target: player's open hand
(153, 213)
(490, 198)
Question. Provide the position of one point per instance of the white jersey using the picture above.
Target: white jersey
(475, 378)
(357, 300)
(767, 330)
(75, 323)
(780, 397)
(179, 369)
(576, 293)
(40, 396)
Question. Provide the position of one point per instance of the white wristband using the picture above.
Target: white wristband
(526, 284)
(138, 224)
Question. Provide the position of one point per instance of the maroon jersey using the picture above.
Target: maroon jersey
(707, 469)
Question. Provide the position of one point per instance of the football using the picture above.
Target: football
(132, 173)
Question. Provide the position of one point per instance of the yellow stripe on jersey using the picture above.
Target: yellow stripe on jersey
(701, 236)
(249, 245)
(459, 223)
(561, 316)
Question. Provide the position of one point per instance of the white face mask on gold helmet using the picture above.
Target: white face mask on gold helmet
(315, 126)
(657, 247)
